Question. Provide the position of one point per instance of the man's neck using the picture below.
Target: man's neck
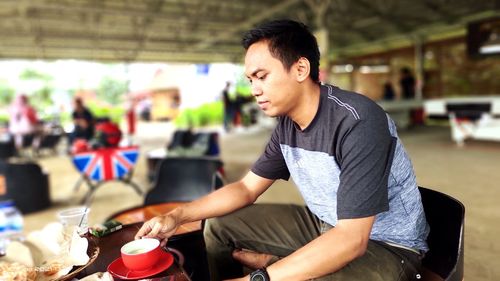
(307, 106)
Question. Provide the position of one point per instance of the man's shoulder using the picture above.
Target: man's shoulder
(87, 112)
(351, 103)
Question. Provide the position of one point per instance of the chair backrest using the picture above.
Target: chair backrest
(199, 144)
(7, 149)
(184, 138)
(27, 185)
(445, 216)
(184, 179)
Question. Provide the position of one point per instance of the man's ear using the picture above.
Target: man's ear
(303, 68)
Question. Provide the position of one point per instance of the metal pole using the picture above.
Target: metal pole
(419, 66)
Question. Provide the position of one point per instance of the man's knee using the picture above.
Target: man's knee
(212, 232)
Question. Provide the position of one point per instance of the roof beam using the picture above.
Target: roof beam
(113, 55)
(438, 31)
(436, 8)
(246, 24)
(387, 16)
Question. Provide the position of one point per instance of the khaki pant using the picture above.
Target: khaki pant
(281, 229)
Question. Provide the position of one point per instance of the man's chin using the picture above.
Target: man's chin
(270, 114)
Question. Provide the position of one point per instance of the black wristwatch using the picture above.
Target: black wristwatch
(260, 275)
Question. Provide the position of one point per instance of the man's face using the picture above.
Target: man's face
(273, 87)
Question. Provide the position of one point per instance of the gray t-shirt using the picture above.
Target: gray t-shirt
(350, 163)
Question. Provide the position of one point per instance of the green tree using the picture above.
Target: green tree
(6, 93)
(42, 97)
(111, 89)
(32, 74)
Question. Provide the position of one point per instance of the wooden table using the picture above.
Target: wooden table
(144, 213)
(110, 250)
(188, 239)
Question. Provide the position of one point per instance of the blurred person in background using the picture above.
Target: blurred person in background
(407, 83)
(388, 91)
(83, 122)
(228, 107)
(23, 123)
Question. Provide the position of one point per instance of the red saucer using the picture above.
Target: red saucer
(118, 269)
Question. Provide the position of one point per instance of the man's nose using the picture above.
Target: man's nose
(256, 91)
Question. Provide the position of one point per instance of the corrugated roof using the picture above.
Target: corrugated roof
(210, 30)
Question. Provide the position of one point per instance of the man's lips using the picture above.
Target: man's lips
(263, 104)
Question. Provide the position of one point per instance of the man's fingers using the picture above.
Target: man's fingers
(163, 242)
(158, 227)
(143, 231)
(155, 229)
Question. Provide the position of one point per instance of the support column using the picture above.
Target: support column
(419, 66)
(321, 33)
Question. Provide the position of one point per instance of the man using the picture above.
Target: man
(228, 107)
(364, 218)
(407, 83)
(83, 121)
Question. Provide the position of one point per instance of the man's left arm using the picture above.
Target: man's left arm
(327, 253)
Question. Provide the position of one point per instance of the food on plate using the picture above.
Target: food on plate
(47, 254)
(14, 271)
(19, 253)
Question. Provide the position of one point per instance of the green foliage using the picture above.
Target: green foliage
(4, 118)
(32, 74)
(205, 115)
(6, 93)
(41, 98)
(111, 90)
(65, 117)
(114, 113)
(243, 87)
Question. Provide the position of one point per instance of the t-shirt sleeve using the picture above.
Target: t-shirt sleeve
(366, 152)
(271, 164)
(31, 114)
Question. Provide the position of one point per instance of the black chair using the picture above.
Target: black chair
(50, 142)
(184, 138)
(7, 149)
(445, 215)
(184, 179)
(27, 185)
(200, 143)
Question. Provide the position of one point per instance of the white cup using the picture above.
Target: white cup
(75, 217)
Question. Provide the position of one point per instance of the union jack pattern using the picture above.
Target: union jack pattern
(106, 163)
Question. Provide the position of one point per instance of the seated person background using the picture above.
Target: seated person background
(23, 122)
(83, 121)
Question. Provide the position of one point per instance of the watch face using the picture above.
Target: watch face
(258, 277)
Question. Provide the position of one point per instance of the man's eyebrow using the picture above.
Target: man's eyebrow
(255, 72)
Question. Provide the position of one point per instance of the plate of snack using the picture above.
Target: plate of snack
(53, 253)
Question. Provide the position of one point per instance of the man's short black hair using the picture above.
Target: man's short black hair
(288, 42)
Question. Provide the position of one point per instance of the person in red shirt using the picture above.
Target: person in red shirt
(23, 122)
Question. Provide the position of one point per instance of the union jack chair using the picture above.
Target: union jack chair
(106, 164)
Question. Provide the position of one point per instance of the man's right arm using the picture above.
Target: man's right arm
(220, 202)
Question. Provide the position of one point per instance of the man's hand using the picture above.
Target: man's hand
(251, 259)
(82, 123)
(161, 227)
